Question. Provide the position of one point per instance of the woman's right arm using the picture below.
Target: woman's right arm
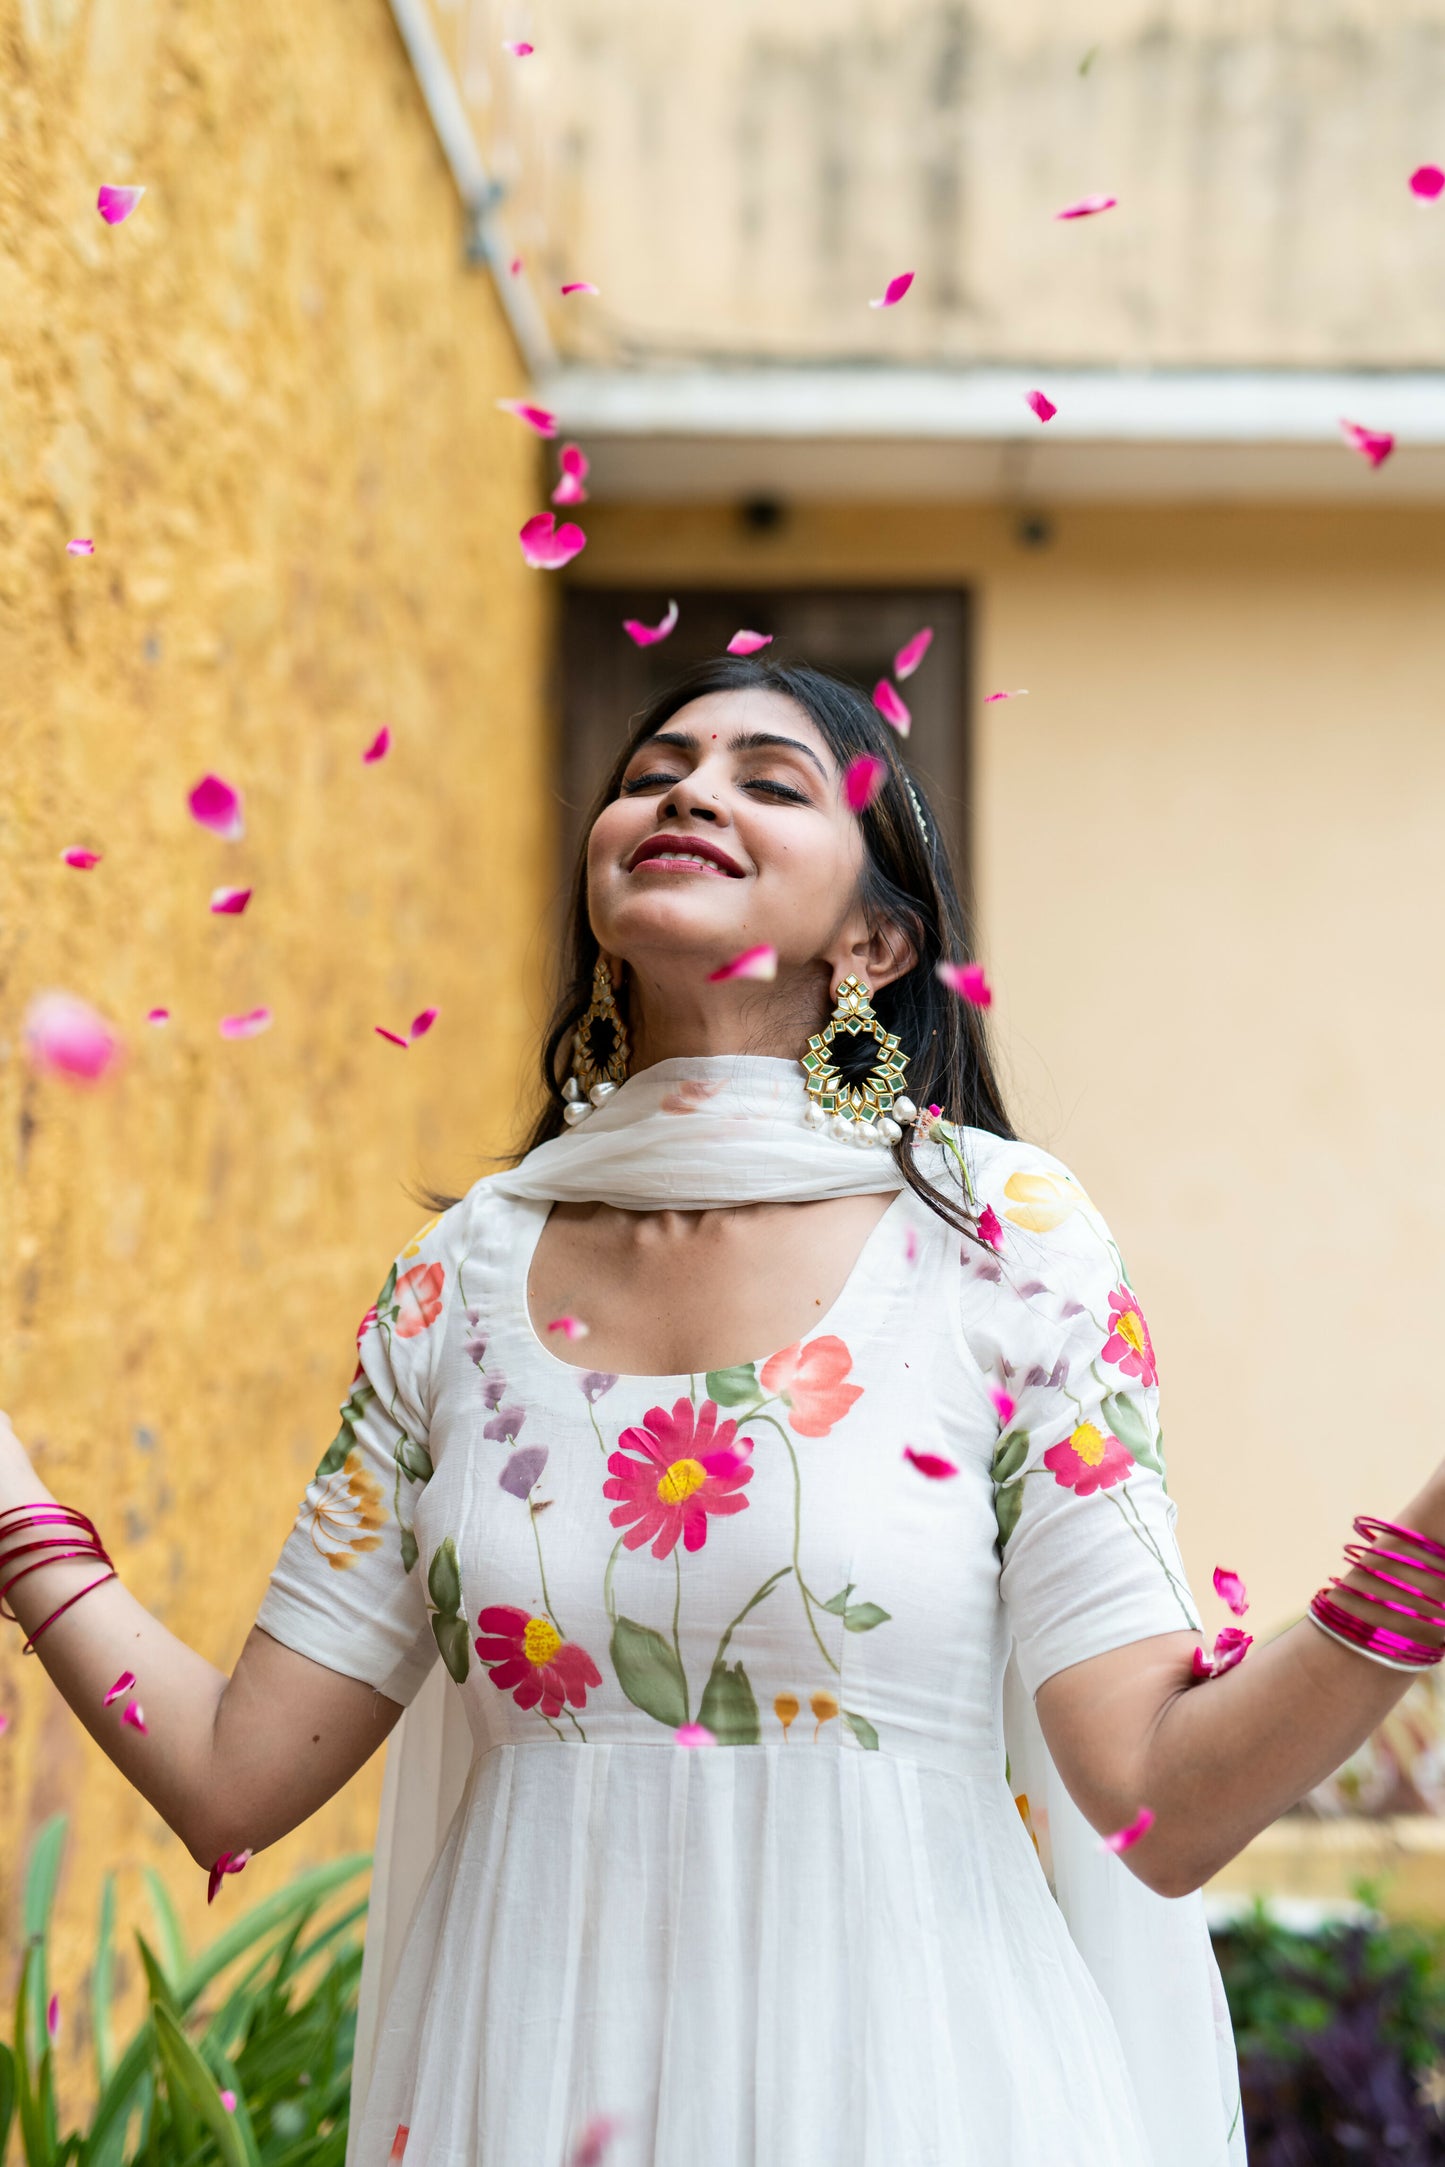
(231, 1764)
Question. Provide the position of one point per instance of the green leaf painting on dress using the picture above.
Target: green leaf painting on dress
(362, 1394)
(838, 1603)
(1008, 1503)
(1009, 1455)
(1124, 1417)
(649, 1672)
(736, 1387)
(413, 1459)
(862, 1730)
(729, 1708)
(862, 1617)
(449, 1629)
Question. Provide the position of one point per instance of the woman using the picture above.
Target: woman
(752, 1855)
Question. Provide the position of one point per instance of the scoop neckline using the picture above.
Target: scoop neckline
(516, 1296)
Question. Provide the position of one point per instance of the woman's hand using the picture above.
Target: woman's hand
(230, 1764)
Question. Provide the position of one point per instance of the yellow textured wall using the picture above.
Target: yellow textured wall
(268, 398)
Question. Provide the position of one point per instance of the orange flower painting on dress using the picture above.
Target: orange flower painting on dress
(418, 1299)
(345, 1512)
(809, 1378)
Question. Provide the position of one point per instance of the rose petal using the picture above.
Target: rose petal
(1427, 183)
(540, 418)
(1087, 207)
(894, 291)
(1004, 1404)
(515, 267)
(4, 1724)
(967, 981)
(759, 962)
(889, 703)
(379, 747)
(581, 285)
(230, 902)
(1038, 402)
(570, 1327)
(989, 1230)
(80, 547)
(422, 1022)
(217, 806)
(398, 2146)
(929, 1463)
(910, 1246)
(249, 1025)
(122, 1684)
(382, 1032)
(574, 464)
(82, 860)
(116, 204)
(1124, 1839)
(52, 2018)
(748, 643)
(65, 1036)
(1231, 1589)
(133, 1714)
(1375, 445)
(597, 2135)
(546, 547)
(517, 47)
(862, 781)
(694, 1734)
(228, 2101)
(158, 1015)
(1021, 694)
(908, 657)
(648, 635)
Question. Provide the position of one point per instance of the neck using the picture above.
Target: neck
(667, 1022)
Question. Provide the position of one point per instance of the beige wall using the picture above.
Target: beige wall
(269, 400)
(1208, 863)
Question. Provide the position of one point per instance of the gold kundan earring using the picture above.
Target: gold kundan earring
(599, 1051)
(853, 1105)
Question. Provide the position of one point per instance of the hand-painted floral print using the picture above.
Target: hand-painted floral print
(408, 1305)
(344, 1512)
(808, 1378)
(687, 1466)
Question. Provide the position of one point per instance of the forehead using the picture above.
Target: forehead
(748, 711)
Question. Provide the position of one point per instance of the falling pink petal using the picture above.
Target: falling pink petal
(515, 267)
(581, 285)
(396, 1040)
(908, 657)
(248, 1025)
(134, 1715)
(65, 1036)
(217, 806)
(597, 2135)
(1087, 207)
(397, 2153)
(540, 418)
(928, 1463)
(1427, 183)
(116, 204)
(52, 2018)
(569, 1327)
(1004, 1404)
(1021, 694)
(694, 1734)
(229, 1862)
(862, 781)
(967, 981)
(569, 489)
(910, 1246)
(82, 860)
(894, 291)
(890, 705)
(1124, 1839)
(760, 962)
(1375, 445)
(643, 635)
(989, 1229)
(80, 547)
(228, 2101)
(122, 1684)
(422, 1022)
(546, 547)
(517, 47)
(1231, 1589)
(4, 1724)
(379, 747)
(158, 1015)
(749, 643)
(1230, 1648)
(1039, 402)
(230, 902)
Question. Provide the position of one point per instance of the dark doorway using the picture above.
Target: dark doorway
(852, 632)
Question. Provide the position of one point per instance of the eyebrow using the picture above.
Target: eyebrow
(744, 741)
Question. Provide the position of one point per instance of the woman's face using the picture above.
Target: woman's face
(730, 831)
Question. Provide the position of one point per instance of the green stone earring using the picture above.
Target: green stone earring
(859, 1113)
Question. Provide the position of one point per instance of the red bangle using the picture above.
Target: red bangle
(29, 1647)
(77, 1537)
(1379, 1641)
(1365, 1524)
(68, 1549)
(1402, 1610)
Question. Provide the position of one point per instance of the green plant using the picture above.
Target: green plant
(267, 2013)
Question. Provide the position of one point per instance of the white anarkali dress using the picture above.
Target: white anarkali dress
(830, 1939)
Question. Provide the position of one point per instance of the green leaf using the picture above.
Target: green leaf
(341, 1444)
(1008, 1503)
(169, 1934)
(649, 1673)
(450, 1635)
(409, 1550)
(42, 1875)
(736, 1387)
(413, 1459)
(1124, 1417)
(7, 2096)
(838, 1603)
(444, 1579)
(384, 1299)
(862, 1617)
(190, 2083)
(101, 1982)
(862, 1730)
(31, 2127)
(1009, 1455)
(729, 1708)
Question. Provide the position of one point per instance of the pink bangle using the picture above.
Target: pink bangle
(77, 1538)
(29, 1647)
(1401, 1610)
(1378, 1641)
(1365, 1524)
(67, 1548)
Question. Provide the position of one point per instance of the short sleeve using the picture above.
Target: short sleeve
(1085, 1521)
(346, 1591)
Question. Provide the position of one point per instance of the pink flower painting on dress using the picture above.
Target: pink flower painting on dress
(418, 1299)
(1089, 1459)
(810, 1380)
(527, 1657)
(673, 1472)
(1128, 1342)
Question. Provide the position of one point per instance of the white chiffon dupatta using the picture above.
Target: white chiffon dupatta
(696, 1135)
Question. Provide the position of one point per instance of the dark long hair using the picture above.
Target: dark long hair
(907, 882)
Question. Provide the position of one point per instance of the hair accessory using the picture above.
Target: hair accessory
(861, 1113)
(77, 1538)
(918, 809)
(599, 1064)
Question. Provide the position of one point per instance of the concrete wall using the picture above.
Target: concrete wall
(268, 398)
